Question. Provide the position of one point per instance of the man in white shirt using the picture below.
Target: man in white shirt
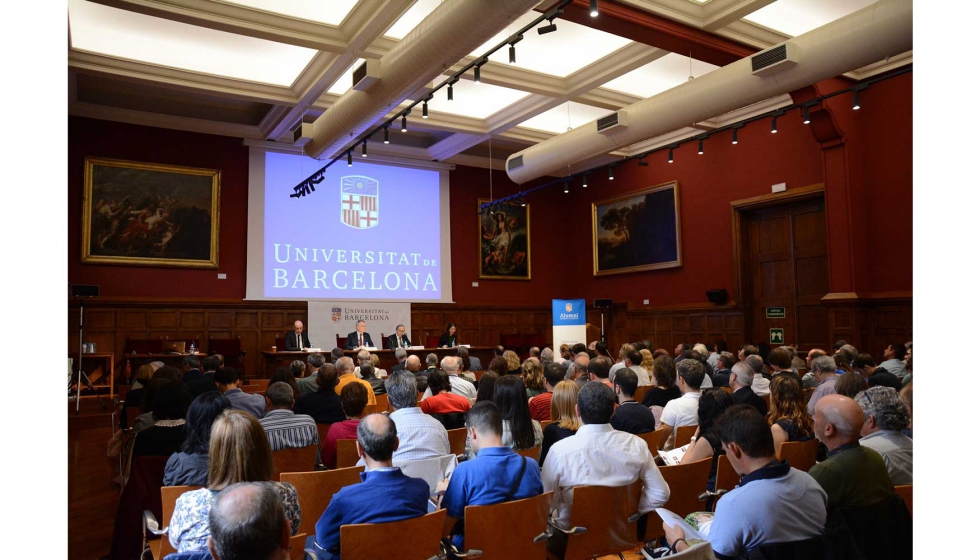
(598, 455)
(420, 436)
(623, 351)
(450, 365)
(684, 411)
(894, 360)
(885, 416)
(760, 383)
(825, 370)
(633, 359)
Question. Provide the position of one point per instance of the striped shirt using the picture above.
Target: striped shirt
(287, 430)
(420, 436)
(540, 407)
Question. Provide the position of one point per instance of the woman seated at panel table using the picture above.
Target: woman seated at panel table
(448, 338)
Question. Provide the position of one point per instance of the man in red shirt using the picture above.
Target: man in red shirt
(541, 405)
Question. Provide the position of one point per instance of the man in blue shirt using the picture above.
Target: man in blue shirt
(497, 474)
(773, 503)
(385, 495)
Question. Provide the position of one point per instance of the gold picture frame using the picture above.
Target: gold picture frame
(644, 231)
(504, 242)
(149, 214)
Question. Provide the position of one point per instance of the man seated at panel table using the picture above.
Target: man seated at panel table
(359, 338)
(297, 339)
(400, 339)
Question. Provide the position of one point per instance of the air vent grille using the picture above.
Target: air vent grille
(515, 163)
(607, 121)
(768, 58)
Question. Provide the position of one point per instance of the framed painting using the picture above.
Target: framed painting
(638, 231)
(505, 242)
(149, 214)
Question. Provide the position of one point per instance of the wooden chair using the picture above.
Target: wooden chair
(253, 390)
(321, 432)
(316, 489)
(546, 423)
(341, 340)
(801, 454)
(300, 459)
(641, 392)
(523, 522)
(726, 479)
(432, 341)
(168, 498)
(683, 436)
(686, 483)
(262, 384)
(655, 439)
(603, 520)
(904, 492)
(457, 441)
(533, 452)
(231, 350)
(296, 546)
(411, 539)
(478, 375)
(346, 453)
(728, 390)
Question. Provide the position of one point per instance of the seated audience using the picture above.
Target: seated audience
(345, 372)
(547, 357)
(460, 386)
(420, 436)
(145, 418)
(540, 406)
(825, 371)
(167, 433)
(810, 379)
(299, 369)
(142, 378)
(189, 466)
(400, 356)
(307, 383)
(323, 405)
(679, 352)
(842, 363)
(385, 495)
(665, 383)
(363, 358)
(683, 411)
(498, 365)
(578, 369)
(598, 455)
(875, 376)
(533, 376)
(894, 360)
(574, 351)
(566, 422)
(742, 378)
(748, 350)
(723, 370)
(497, 474)
(760, 378)
(599, 370)
(191, 366)
(852, 475)
(487, 384)
(413, 365)
(906, 395)
(908, 367)
(621, 363)
(646, 362)
(781, 363)
(706, 442)
(378, 370)
(284, 428)
(285, 375)
(885, 416)
(788, 417)
(472, 363)
(370, 374)
(634, 362)
(442, 400)
(226, 379)
(520, 431)
(773, 503)
(513, 363)
(630, 416)
(238, 452)
(354, 400)
(700, 353)
(247, 520)
(850, 384)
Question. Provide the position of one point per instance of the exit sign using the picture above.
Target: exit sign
(775, 313)
(776, 336)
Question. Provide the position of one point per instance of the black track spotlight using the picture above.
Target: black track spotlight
(857, 102)
(610, 173)
(773, 128)
(735, 135)
(593, 8)
(476, 70)
(404, 123)
(566, 185)
(548, 28)
(449, 93)
(425, 109)
(512, 54)
(585, 181)
(806, 114)
(700, 146)
(350, 160)
(364, 149)
(670, 155)
(522, 201)
(386, 136)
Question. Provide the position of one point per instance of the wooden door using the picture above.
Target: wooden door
(785, 266)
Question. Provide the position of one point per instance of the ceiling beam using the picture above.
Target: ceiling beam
(160, 120)
(718, 15)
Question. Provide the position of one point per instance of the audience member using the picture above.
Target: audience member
(547, 357)
(533, 376)
(842, 363)
(498, 365)
(192, 369)
(564, 353)
(679, 352)
(684, 410)
(773, 503)
(497, 474)
(400, 356)
(850, 384)
(284, 375)
(238, 452)
(248, 520)
(363, 358)
(630, 416)
(565, 421)
(460, 386)
(598, 455)
(852, 475)
(665, 383)
(540, 406)
(748, 350)
(865, 365)
(908, 367)
(205, 382)
(621, 363)
(420, 436)
(499, 350)
(578, 369)
(299, 369)
(284, 428)
(634, 361)
(441, 399)
(798, 363)
(885, 416)
(723, 369)
(335, 354)
(134, 396)
(378, 370)
(386, 494)
(825, 370)
(473, 363)
(706, 442)
(894, 356)
(646, 362)
(513, 363)
(189, 466)
(226, 379)
(719, 347)
(487, 384)
(324, 405)
(788, 418)
(520, 431)
(413, 365)
(602, 349)
(599, 370)
(165, 436)
(810, 379)
(906, 395)
(354, 400)
(741, 381)
(760, 378)
(369, 374)
(145, 418)
(345, 372)
(782, 364)
(307, 383)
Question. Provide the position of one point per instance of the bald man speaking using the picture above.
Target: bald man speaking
(297, 339)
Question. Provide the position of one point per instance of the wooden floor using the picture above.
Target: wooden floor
(92, 497)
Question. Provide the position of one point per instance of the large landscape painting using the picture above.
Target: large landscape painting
(149, 214)
(639, 231)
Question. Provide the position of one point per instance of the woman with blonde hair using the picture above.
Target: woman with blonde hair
(788, 416)
(533, 376)
(647, 362)
(239, 452)
(564, 420)
(513, 362)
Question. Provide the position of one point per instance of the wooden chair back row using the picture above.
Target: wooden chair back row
(380, 406)
(457, 441)
(316, 489)
(683, 435)
(655, 439)
(524, 523)
(608, 514)
(300, 459)
(686, 483)
(168, 498)
(904, 492)
(412, 539)
(801, 454)
(532, 453)
(641, 392)
(346, 453)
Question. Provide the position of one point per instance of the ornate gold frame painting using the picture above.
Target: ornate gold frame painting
(148, 214)
(638, 231)
(505, 242)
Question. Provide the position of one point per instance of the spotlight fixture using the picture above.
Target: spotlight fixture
(610, 173)
(670, 155)
(522, 201)
(317, 180)
(364, 149)
(548, 28)
(700, 146)
(449, 93)
(350, 161)
(806, 114)
(642, 162)
(513, 54)
(386, 136)
(585, 181)
(476, 70)
(773, 130)
(566, 185)
(857, 102)
(425, 109)
(593, 8)
(735, 135)
(404, 123)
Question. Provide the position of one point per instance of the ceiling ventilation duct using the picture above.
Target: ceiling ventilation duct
(869, 35)
(450, 33)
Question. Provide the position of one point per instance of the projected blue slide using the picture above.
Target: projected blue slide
(368, 231)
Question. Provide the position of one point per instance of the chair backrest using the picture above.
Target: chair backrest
(341, 340)
(725, 478)
(904, 492)
(728, 390)
(297, 543)
(457, 441)
(801, 454)
(641, 392)
(299, 459)
(321, 432)
(686, 483)
(546, 423)
(346, 453)
(606, 513)
(253, 389)
(478, 374)
(263, 384)
(521, 521)
(532, 453)
(431, 341)
(316, 489)
(168, 499)
(451, 420)
(683, 435)
(382, 400)
(280, 344)
(411, 539)
(131, 413)
(655, 439)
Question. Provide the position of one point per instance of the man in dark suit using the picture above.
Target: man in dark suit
(359, 338)
(206, 382)
(725, 363)
(401, 355)
(192, 369)
(399, 339)
(741, 383)
(297, 339)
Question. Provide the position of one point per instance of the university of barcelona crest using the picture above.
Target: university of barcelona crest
(359, 201)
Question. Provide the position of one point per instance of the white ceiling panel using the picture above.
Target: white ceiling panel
(796, 17)
(473, 100)
(660, 75)
(411, 18)
(345, 81)
(565, 116)
(330, 12)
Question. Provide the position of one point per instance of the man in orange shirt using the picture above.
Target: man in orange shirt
(345, 366)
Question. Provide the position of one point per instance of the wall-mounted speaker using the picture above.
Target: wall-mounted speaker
(602, 303)
(717, 297)
(84, 290)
